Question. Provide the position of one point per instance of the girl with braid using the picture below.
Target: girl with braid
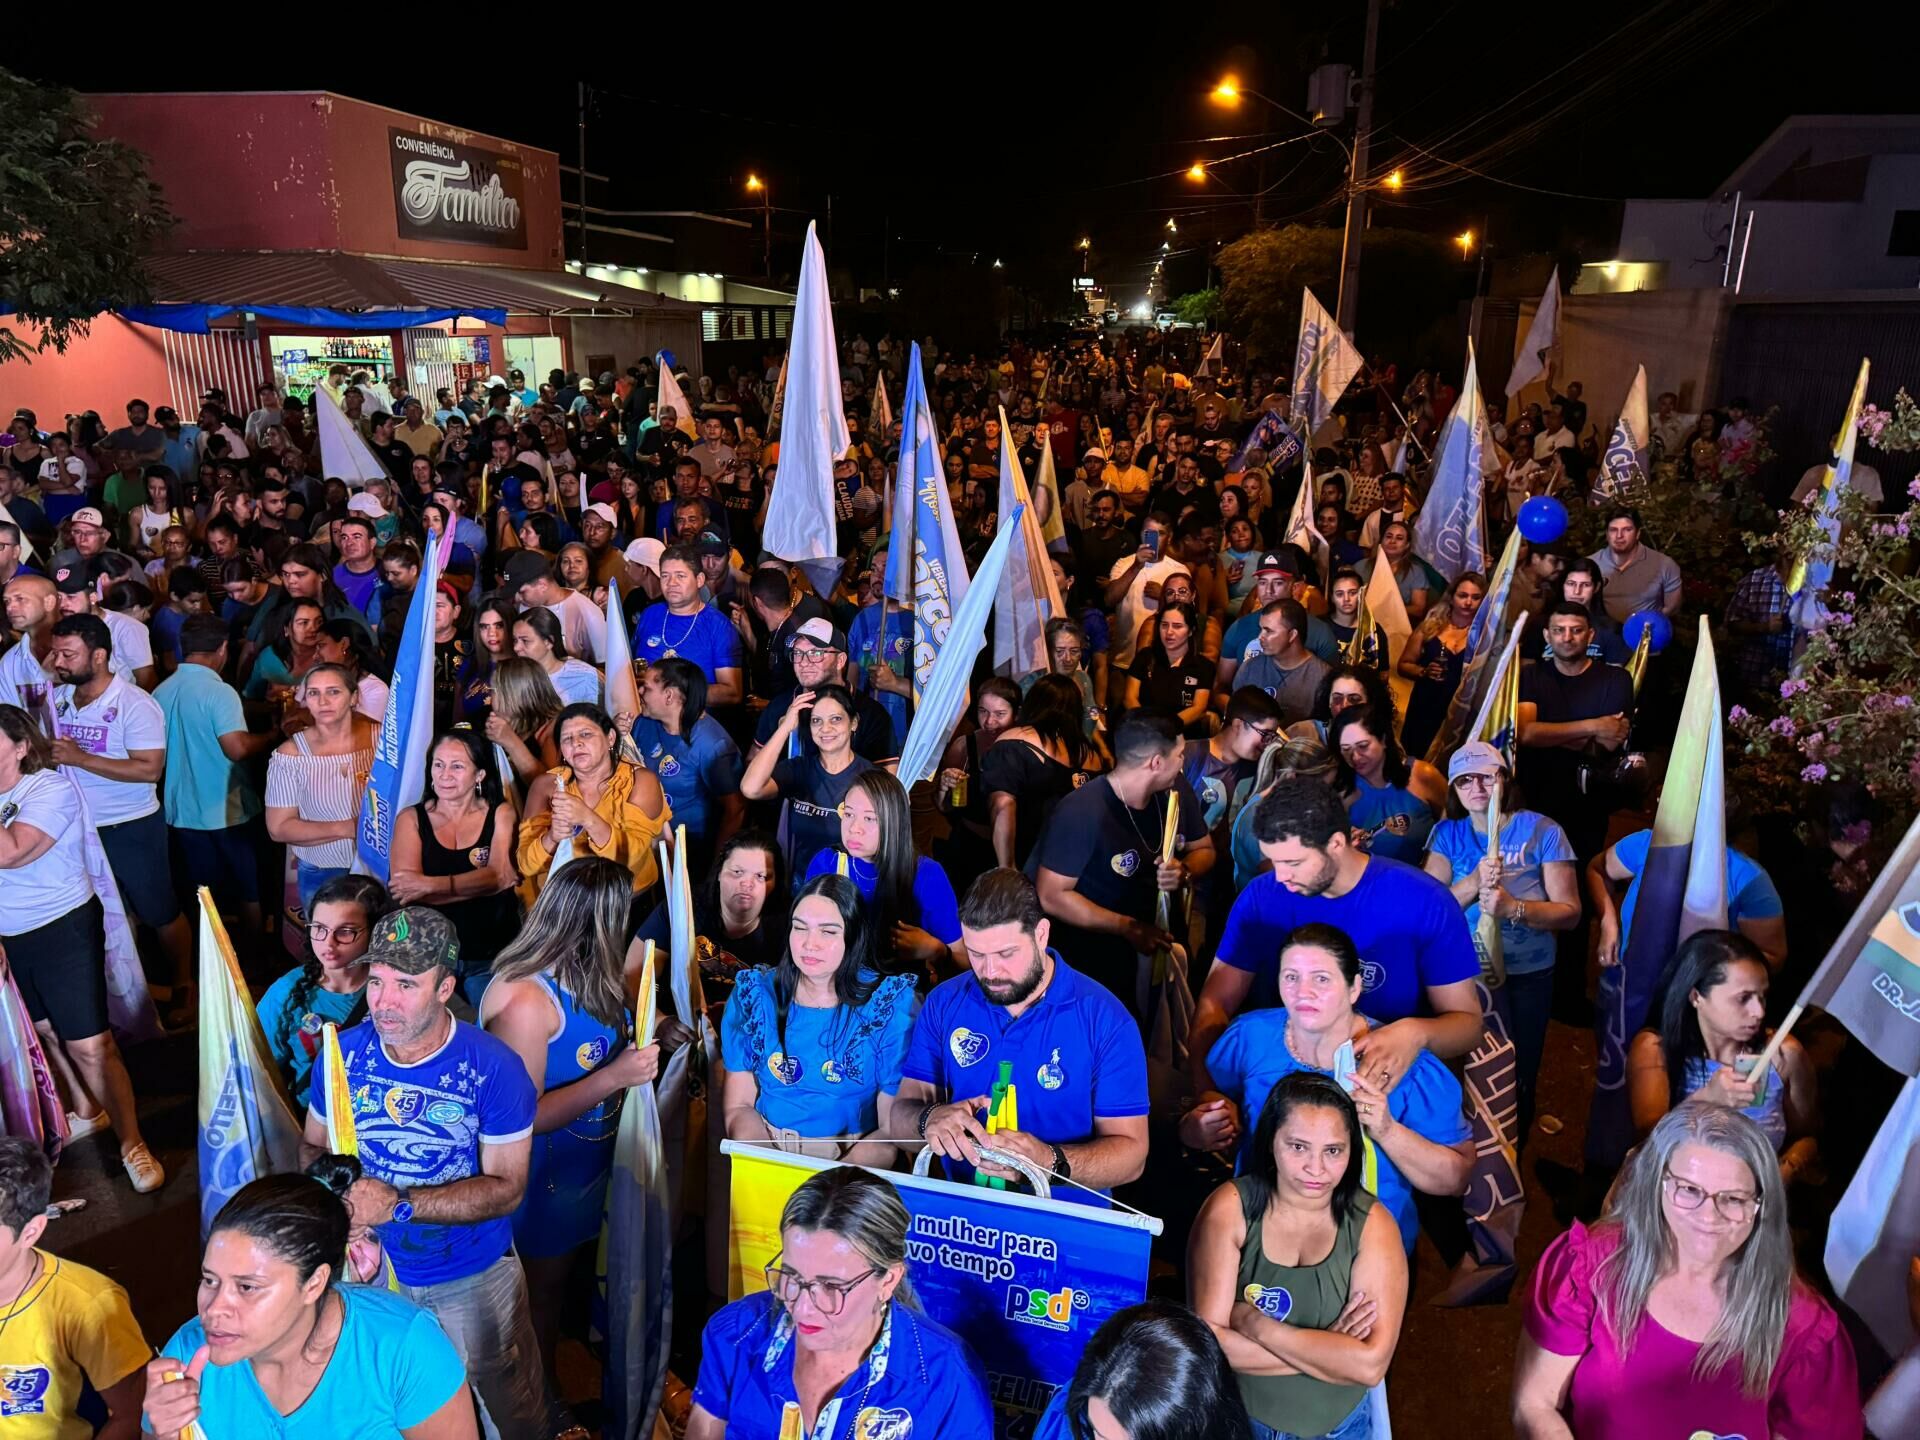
(331, 985)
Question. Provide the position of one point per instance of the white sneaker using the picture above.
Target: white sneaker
(143, 1170)
(81, 1126)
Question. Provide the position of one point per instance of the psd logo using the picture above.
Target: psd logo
(1049, 1311)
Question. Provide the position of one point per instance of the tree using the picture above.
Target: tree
(1198, 307)
(77, 214)
(1413, 284)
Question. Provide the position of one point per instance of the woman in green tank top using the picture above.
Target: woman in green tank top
(1299, 1273)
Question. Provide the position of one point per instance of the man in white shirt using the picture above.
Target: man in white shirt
(266, 414)
(32, 607)
(531, 581)
(112, 739)
(1395, 504)
(80, 587)
(1133, 589)
(1670, 428)
(1554, 436)
(1863, 479)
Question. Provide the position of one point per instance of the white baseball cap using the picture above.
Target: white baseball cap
(645, 553)
(604, 511)
(365, 504)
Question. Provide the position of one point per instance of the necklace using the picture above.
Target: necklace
(672, 645)
(1295, 1050)
(33, 1273)
(1127, 810)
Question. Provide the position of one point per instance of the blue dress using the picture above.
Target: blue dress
(1396, 820)
(827, 1075)
(567, 1174)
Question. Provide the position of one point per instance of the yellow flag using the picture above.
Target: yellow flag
(343, 1135)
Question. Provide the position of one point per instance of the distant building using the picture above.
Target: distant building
(1828, 204)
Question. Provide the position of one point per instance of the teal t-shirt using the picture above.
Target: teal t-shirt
(203, 789)
(392, 1370)
(1529, 842)
(294, 1040)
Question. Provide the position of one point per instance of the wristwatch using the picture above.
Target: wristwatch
(1060, 1166)
(403, 1206)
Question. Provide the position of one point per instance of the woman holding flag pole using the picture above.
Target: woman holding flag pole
(560, 1002)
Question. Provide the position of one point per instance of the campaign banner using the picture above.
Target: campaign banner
(1025, 1282)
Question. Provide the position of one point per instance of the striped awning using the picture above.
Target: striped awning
(333, 281)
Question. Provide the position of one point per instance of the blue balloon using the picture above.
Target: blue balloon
(1543, 520)
(1647, 619)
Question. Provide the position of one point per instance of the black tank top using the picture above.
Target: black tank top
(485, 923)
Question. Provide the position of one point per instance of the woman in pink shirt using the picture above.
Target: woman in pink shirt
(1679, 1314)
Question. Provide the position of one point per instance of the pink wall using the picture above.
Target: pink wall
(114, 364)
(310, 171)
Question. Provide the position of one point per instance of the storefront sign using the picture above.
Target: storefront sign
(444, 191)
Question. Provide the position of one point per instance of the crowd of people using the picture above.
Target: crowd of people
(201, 628)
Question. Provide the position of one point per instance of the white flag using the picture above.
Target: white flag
(1302, 532)
(813, 433)
(1536, 355)
(1324, 364)
(1215, 358)
(1626, 453)
(1027, 597)
(1389, 612)
(672, 394)
(343, 454)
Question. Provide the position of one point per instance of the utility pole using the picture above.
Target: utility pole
(1349, 302)
(583, 175)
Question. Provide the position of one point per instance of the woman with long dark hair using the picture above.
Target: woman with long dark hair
(810, 1046)
(292, 649)
(1170, 673)
(597, 802)
(559, 999)
(537, 636)
(816, 783)
(493, 619)
(280, 1346)
(1392, 800)
(1036, 764)
(911, 907)
(332, 985)
(1704, 1041)
(1153, 1371)
(1298, 1272)
(1340, 688)
(959, 788)
(453, 850)
(348, 645)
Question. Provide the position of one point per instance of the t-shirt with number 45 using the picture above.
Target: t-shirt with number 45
(1076, 1054)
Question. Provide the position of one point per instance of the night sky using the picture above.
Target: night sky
(952, 140)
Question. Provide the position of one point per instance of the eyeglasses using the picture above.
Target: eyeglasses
(346, 934)
(829, 1296)
(1735, 1206)
(1477, 782)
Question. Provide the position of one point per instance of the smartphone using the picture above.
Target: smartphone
(1151, 543)
(1744, 1066)
(1344, 1068)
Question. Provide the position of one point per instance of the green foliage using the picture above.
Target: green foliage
(76, 216)
(1198, 307)
(1850, 713)
(1410, 284)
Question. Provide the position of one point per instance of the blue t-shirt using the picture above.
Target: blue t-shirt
(423, 1124)
(1750, 892)
(1251, 1056)
(357, 586)
(827, 1076)
(392, 1369)
(936, 910)
(703, 637)
(695, 769)
(294, 1040)
(1406, 925)
(1076, 1057)
(1529, 841)
(863, 644)
(165, 626)
(919, 1379)
(1242, 640)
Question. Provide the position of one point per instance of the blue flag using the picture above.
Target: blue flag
(1273, 437)
(946, 690)
(406, 731)
(925, 570)
(1450, 531)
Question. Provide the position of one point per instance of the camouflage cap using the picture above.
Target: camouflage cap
(413, 940)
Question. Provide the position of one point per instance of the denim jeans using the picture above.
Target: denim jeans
(1529, 1006)
(488, 1319)
(1357, 1426)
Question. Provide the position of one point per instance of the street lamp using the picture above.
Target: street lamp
(756, 185)
(1171, 226)
(1227, 92)
(1465, 241)
(1197, 173)
(1395, 180)
(1085, 245)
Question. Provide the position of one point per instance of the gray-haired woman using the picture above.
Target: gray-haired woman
(836, 1337)
(1679, 1312)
